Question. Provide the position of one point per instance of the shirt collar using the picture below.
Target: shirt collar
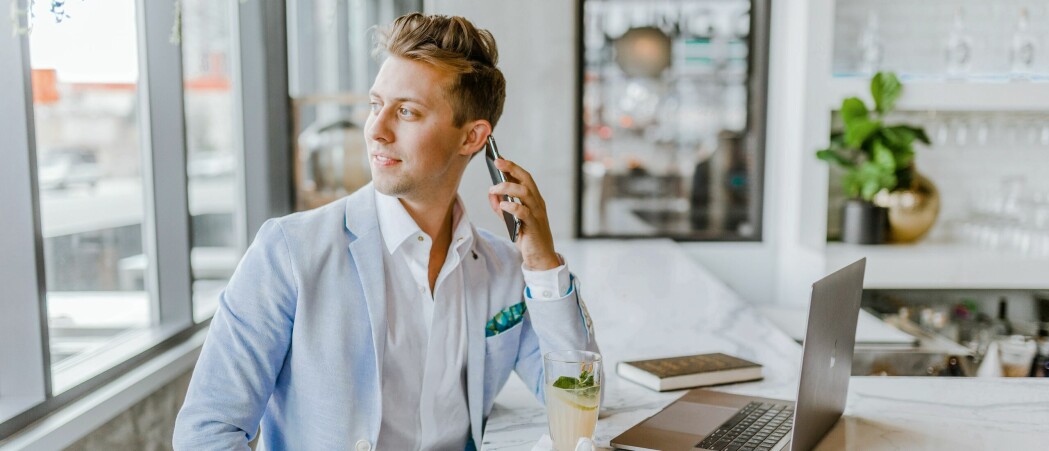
(397, 226)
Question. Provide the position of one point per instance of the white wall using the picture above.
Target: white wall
(538, 129)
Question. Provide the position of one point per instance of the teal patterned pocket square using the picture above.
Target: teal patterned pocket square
(505, 319)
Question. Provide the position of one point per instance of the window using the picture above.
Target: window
(89, 176)
(672, 132)
(144, 144)
(213, 165)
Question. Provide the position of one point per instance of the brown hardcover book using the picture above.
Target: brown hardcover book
(690, 371)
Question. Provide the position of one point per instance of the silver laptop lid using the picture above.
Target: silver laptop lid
(827, 355)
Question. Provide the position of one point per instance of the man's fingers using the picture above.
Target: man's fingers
(493, 201)
(513, 190)
(516, 171)
(522, 212)
(518, 174)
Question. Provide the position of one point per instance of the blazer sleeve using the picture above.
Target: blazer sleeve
(244, 350)
(553, 325)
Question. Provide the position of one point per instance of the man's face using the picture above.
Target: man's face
(415, 150)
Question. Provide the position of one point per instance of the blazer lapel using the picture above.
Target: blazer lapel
(476, 308)
(367, 253)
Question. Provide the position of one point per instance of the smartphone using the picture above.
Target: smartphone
(491, 153)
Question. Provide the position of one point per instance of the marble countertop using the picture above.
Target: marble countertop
(648, 299)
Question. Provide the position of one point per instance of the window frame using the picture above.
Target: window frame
(261, 102)
(23, 327)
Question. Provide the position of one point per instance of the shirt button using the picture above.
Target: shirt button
(460, 240)
(363, 445)
(548, 294)
(421, 238)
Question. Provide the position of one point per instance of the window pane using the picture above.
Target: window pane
(212, 163)
(672, 140)
(89, 169)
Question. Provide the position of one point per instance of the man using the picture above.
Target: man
(385, 320)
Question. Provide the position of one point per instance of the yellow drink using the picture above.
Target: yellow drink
(572, 413)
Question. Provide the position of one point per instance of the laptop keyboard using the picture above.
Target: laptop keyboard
(758, 426)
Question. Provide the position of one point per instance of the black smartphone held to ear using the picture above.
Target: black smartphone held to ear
(491, 153)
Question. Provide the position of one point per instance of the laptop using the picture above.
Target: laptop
(711, 420)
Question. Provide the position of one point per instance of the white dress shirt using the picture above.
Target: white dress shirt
(424, 368)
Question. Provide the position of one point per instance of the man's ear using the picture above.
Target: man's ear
(476, 135)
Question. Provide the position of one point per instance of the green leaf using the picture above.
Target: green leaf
(566, 382)
(850, 183)
(915, 133)
(919, 133)
(900, 139)
(885, 88)
(897, 136)
(831, 156)
(586, 379)
(590, 392)
(883, 156)
(868, 179)
(837, 140)
(904, 156)
(858, 132)
(853, 110)
(904, 135)
(869, 189)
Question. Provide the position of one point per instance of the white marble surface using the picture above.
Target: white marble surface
(649, 299)
(931, 413)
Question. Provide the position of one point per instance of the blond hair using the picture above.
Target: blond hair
(455, 45)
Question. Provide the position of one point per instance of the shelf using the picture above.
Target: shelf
(950, 95)
(941, 266)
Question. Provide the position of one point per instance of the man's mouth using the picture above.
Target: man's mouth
(384, 161)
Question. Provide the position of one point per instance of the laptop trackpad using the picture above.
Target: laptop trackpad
(691, 418)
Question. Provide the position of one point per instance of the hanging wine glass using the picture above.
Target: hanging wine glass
(870, 45)
(1022, 49)
(958, 49)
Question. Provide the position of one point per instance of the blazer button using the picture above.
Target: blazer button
(363, 445)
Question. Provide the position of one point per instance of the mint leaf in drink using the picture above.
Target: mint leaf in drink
(586, 386)
(586, 379)
(589, 392)
(567, 383)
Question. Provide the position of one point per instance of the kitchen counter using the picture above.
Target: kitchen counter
(648, 299)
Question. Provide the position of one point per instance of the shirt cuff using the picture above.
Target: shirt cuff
(553, 283)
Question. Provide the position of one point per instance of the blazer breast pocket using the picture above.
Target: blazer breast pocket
(500, 356)
(506, 319)
(506, 341)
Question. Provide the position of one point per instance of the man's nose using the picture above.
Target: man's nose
(378, 128)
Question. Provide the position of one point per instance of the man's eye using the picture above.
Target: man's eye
(374, 107)
(405, 112)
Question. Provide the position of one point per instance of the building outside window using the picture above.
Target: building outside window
(213, 161)
(89, 175)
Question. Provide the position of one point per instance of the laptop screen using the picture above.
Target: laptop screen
(827, 356)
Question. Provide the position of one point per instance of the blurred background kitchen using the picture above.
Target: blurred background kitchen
(147, 141)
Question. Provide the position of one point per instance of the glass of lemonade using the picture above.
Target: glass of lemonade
(573, 396)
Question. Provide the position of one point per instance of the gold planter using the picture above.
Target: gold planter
(912, 211)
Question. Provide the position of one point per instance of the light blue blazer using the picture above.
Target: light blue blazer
(296, 344)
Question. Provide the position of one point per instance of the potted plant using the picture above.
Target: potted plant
(876, 158)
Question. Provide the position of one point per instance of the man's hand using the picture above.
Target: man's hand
(534, 239)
